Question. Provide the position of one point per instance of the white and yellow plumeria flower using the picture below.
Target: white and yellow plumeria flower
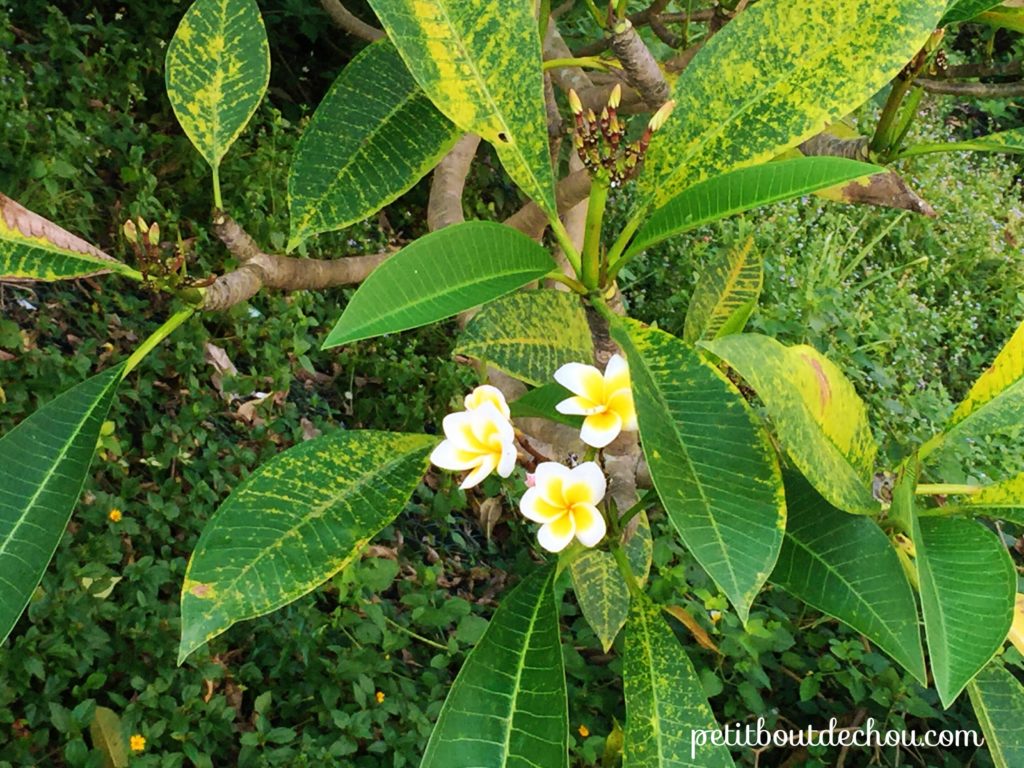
(606, 400)
(480, 439)
(488, 394)
(565, 502)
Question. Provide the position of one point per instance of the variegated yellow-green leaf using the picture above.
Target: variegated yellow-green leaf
(44, 462)
(1004, 500)
(600, 590)
(727, 292)
(665, 700)
(374, 135)
(711, 464)
(964, 573)
(815, 411)
(218, 68)
(480, 63)
(438, 276)
(34, 248)
(507, 708)
(965, 10)
(773, 77)
(996, 400)
(743, 189)
(529, 335)
(844, 565)
(108, 738)
(1004, 17)
(998, 700)
(294, 523)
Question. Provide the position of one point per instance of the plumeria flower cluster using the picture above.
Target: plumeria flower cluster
(564, 500)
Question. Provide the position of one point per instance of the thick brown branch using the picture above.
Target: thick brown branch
(449, 182)
(571, 191)
(643, 18)
(833, 146)
(641, 68)
(345, 19)
(968, 71)
(974, 90)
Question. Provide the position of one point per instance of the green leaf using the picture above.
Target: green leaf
(45, 461)
(508, 704)
(711, 464)
(480, 63)
(995, 402)
(743, 189)
(602, 594)
(539, 403)
(664, 698)
(1003, 500)
(530, 335)
(293, 523)
(816, 412)
(1004, 17)
(844, 565)
(440, 275)
(108, 738)
(218, 68)
(360, 150)
(998, 700)
(743, 100)
(33, 248)
(965, 10)
(727, 292)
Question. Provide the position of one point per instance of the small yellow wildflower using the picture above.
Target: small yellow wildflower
(114, 516)
(380, 697)
(584, 731)
(137, 742)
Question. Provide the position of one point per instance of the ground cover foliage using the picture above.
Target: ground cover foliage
(355, 674)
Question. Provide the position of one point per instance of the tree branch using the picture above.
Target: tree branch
(641, 68)
(571, 191)
(973, 90)
(345, 19)
(449, 182)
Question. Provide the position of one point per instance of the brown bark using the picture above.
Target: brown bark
(571, 190)
(973, 90)
(833, 146)
(347, 21)
(640, 66)
(449, 182)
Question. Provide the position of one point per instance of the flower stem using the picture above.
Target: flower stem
(625, 568)
(591, 259)
(156, 337)
(562, 236)
(946, 489)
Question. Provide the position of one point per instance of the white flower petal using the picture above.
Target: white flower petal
(556, 535)
(487, 394)
(487, 464)
(535, 508)
(600, 429)
(449, 456)
(548, 471)
(590, 524)
(579, 406)
(458, 427)
(507, 463)
(589, 473)
(583, 380)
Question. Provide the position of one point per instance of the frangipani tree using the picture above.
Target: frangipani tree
(793, 499)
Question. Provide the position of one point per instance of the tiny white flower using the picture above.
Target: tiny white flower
(606, 400)
(565, 502)
(481, 440)
(487, 394)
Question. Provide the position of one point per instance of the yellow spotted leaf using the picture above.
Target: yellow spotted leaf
(1003, 500)
(480, 63)
(34, 248)
(998, 701)
(218, 68)
(727, 292)
(294, 523)
(774, 77)
(816, 412)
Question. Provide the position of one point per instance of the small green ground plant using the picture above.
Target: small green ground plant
(805, 503)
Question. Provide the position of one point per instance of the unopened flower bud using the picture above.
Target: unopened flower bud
(131, 232)
(659, 118)
(616, 97)
(574, 102)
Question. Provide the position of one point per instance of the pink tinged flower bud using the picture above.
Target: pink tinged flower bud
(531, 480)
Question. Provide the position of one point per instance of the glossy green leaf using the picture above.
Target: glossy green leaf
(1011, 142)
(665, 700)
(293, 523)
(480, 63)
(744, 189)
(1004, 17)
(819, 419)
(1003, 500)
(33, 248)
(507, 708)
(773, 77)
(965, 10)
(539, 403)
(44, 462)
(529, 335)
(440, 275)
(843, 565)
(998, 700)
(218, 68)
(726, 293)
(712, 466)
(599, 585)
(360, 150)
(995, 402)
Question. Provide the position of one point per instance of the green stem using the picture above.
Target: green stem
(592, 7)
(946, 489)
(621, 10)
(218, 203)
(907, 118)
(615, 259)
(575, 285)
(645, 501)
(410, 633)
(625, 568)
(883, 131)
(157, 336)
(571, 254)
(591, 259)
(544, 17)
(946, 146)
(588, 62)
